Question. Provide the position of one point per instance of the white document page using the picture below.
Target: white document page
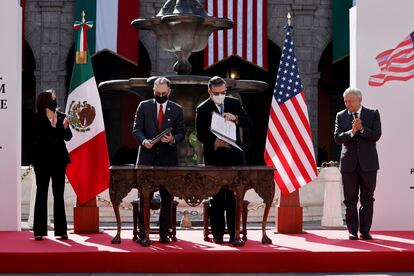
(224, 130)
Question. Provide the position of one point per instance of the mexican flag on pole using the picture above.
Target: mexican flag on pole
(88, 171)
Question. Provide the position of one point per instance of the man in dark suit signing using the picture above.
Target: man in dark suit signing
(357, 129)
(219, 153)
(151, 118)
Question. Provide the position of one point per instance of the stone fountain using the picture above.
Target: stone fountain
(183, 27)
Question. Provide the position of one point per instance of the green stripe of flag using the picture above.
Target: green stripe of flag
(89, 6)
(340, 28)
(80, 74)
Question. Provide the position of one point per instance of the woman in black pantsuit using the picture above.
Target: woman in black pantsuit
(50, 157)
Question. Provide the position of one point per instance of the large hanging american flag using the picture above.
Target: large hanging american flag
(289, 145)
(396, 63)
(247, 38)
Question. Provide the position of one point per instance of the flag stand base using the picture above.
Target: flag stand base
(86, 218)
(289, 214)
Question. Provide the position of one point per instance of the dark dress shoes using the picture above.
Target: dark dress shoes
(64, 237)
(38, 238)
(218, 240)
(366, 236)
(353, 236)
(165, 239)
(140, 239)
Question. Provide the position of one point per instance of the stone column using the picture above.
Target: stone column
(49, 32)
(303, 22)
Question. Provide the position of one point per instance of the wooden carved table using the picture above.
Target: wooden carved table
(193, 185)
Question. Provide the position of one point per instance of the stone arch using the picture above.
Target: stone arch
(32, 40)
(324, 45)
(108, 65)
(334, 79)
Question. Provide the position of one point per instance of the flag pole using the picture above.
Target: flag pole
(86, 217)
(85, 213)
(289, 213)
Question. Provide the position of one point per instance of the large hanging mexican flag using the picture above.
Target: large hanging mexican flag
(113, 30)
(88, 171)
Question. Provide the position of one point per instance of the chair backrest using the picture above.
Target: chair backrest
(139, 151)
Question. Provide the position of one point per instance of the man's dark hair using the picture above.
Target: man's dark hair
(216, 81)
(43, 99)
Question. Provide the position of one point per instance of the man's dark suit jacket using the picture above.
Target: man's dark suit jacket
(361, 148)
(220, 156)
(49, 146)
(146, 127)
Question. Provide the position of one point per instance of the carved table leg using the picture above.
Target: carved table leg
(265, 238)
(147, 195)
(117, 238)
(239, 205)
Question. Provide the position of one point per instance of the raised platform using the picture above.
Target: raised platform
(315, 251)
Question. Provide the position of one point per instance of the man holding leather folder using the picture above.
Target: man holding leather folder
(158, 128)
(218, 152)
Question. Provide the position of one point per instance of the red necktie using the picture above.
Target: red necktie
(160, 117)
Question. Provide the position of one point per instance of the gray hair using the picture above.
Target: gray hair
(216, 81)
(162, 80)
(354, 91)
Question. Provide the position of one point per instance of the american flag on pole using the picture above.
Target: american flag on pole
(247, 38)
(289, 145)
(395, 64)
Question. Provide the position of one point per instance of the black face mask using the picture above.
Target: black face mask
(161, 99)
(52, 105)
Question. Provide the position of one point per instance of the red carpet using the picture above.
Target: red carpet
(316, 251)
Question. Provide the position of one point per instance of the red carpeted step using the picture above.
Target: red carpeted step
(315, 251)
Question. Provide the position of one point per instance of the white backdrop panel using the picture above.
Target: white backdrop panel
(10, 114)
(381, 25)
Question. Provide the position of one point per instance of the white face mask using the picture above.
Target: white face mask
(218, 99)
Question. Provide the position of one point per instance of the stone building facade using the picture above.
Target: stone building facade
(49, 33)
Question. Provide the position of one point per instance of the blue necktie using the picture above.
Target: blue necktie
(221, 109)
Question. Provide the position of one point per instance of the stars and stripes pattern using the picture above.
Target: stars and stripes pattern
(396, 64)
(289, 146)
(247, 38)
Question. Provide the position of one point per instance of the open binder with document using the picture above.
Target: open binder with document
(224, 130)
(157, 138)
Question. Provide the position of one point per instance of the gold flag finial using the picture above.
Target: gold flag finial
(289, 19)
(81, 52)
